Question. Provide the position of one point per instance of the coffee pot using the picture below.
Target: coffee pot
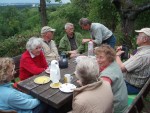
(63, 62)
(54, 71)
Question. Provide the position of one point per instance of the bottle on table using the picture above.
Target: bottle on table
(90, 48)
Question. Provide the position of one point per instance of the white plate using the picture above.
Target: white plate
(47, 71)
(67, 87)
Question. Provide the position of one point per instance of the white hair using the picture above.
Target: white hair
(68, 24)
(32, 43)
(87, 70)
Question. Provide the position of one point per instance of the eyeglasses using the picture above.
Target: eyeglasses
(138, 36)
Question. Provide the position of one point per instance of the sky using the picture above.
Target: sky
(27, 1)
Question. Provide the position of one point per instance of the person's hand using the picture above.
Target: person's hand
(73, 52)
(79, 82)
(85, 40)
(47, 70)
(119, 48)
(73, 55)
(119, 51)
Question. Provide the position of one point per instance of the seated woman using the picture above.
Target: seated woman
(12, 99)
(94, 96)
(32, 61)
(111, 72)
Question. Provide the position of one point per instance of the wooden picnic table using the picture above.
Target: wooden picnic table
(53, 97)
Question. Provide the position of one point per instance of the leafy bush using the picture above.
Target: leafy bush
(12, 46)
(18, 25)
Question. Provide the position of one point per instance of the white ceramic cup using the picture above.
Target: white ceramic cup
(68, 78)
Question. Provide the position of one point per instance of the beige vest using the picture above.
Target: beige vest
(50, 51)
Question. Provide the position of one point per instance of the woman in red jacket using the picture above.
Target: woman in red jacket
(32, 61)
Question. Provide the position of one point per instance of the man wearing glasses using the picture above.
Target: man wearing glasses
(137, 68)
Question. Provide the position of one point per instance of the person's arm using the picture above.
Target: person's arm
(118, 59)
(21, 100)
(98, 36)
(107, 79)
(43, 59)
(120, 63)
(80, 45)
(63, 47)
(85, 40)
(73, 53)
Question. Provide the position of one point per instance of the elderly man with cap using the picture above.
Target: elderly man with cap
(49, 46)
(137, 68)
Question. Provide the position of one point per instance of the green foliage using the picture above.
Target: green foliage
(10, 21)
(82, 6)
(104, 12)
(143, 20)
(14, 21)
(18, 25)
(64, 14)
(12, 46)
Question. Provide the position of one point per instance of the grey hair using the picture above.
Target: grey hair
(84, 21)
(68, 24)
(87, 71)
(32, 43)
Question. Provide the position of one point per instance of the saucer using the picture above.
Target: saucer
(55, 85)
(67, 87)
(42, 80)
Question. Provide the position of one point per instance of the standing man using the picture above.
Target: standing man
(99, 33)
(71, 43)
(137, 68)
(49, 46)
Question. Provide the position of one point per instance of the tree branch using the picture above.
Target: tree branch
(143, 7)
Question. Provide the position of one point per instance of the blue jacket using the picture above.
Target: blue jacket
(12, 99)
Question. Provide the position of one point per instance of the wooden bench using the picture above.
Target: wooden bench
(17, 65)
(10, 111)
(138, 103)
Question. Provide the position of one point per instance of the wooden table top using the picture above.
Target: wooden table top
(53, 97)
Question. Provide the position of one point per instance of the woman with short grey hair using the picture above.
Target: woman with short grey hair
(32, 61)
(87, 73)
(32, 43)
(94, 96)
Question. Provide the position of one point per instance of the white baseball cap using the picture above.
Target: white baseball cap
(46, 29)
(144, 30)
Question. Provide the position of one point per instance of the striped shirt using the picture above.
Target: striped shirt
(138, 67)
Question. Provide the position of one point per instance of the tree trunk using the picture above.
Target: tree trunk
(42, 11)
(128, 13)
(127, 28)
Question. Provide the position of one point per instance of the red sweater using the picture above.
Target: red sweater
(31, 66)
